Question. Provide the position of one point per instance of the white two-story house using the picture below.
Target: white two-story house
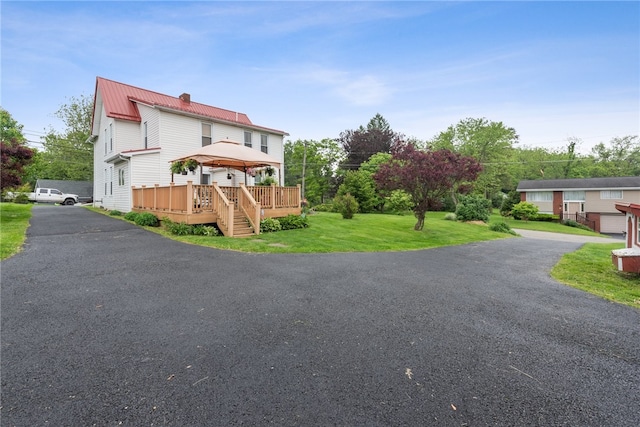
(137, 132)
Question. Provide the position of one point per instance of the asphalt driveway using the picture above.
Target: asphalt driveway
(107, 324)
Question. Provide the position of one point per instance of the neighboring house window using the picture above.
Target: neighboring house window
(110, 137)
(247, 138)
(264, 143)
(611, 194)
(574, 195)
(540, 196)
(144, 133)
(206, 134)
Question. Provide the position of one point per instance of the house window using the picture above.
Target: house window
(105, 178)
(205, 179)
(206, 134)
(264, 143)
(578, 196)
(540, 196)
(105, 142)
(121, 177)
(144, 134)
(247, 138)
(111, 180)
(110, 137)
(611, 194)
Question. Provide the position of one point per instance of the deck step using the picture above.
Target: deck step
(241, 226)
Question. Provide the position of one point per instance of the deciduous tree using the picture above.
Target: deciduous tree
(359, 145)
(69, 154)
(427, 176)
(14, 152)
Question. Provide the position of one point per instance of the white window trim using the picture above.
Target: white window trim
(608, 195)
(264, 147)
(244, 137)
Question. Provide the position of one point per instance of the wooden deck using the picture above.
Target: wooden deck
(207, 204)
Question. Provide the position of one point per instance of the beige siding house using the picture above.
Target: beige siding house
(591, 199)
(137, 132)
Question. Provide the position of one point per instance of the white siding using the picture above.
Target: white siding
(152, 117)
(127, 136)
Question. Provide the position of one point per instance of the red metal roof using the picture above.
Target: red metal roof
(120, 102)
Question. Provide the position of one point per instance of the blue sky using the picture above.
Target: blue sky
(551, 70)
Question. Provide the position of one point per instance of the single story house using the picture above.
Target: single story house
(588, 200)
(628, 259)
(137, 133)
(84, 189)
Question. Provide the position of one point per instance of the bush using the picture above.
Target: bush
(473, 208)
(21, 198)
(399, 201)
(360, 185)
(575, 224)
(291, 222)
(324, 207)
(131, 216)
(513, 198)
(346, 204)
(204, 230)
(545, 217)
(270, 225)
(115, 213)
(450, 216)
(147, 219)
(524, 210)
(501, 227)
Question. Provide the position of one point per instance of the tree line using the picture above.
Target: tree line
(380, 168)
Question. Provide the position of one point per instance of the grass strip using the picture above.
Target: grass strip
(590, 269)
(14, 221)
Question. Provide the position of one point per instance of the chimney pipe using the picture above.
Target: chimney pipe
(185, 97)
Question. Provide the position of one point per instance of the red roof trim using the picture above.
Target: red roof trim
(629, 207)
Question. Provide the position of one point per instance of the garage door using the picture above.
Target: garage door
(612, 223)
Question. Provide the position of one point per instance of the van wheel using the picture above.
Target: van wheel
(69, 202)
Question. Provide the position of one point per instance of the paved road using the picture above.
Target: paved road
(558, 237)
(106, 324)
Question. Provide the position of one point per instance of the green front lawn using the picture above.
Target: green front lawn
(329, 232)
(552, 227)
(590, 268)
(14, 220)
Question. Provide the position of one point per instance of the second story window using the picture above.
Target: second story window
(206, 134)
(144, 135)
(110, 137)
(247, 138)
(264, 143)
(106, 147)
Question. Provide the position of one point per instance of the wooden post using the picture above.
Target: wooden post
(171, 185)
(155, 196)
(231, 218)
(273, 196)
(189, 197)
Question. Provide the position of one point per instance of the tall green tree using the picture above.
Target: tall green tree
(10, 129)
(318, 162)
(69, 154)
(621, 157)
(490, 143)
(362, 143)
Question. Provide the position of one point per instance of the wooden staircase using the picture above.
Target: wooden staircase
(241, 227)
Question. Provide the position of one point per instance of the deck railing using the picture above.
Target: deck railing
(195, 198)
(249, 208)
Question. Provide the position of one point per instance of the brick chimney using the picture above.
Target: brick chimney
(185, 97)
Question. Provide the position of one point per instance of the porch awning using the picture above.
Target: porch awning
(230, 154)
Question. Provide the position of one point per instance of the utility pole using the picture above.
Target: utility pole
(304, 166)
